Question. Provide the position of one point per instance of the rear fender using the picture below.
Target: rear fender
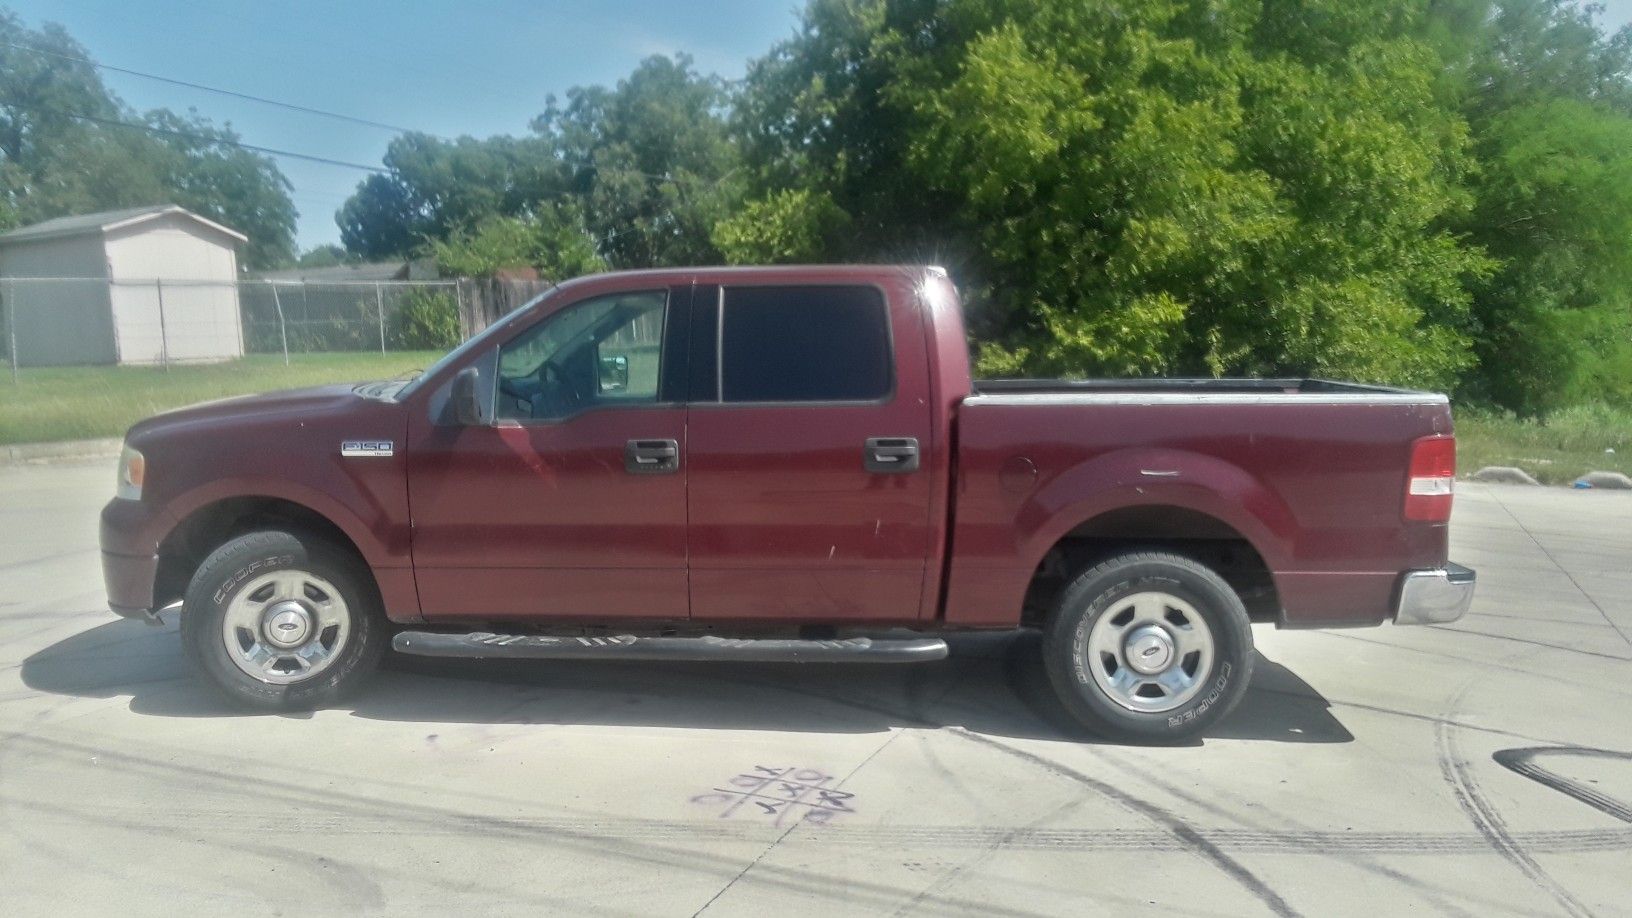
(1158, 477)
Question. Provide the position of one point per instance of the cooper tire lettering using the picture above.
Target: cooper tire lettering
(245, 572)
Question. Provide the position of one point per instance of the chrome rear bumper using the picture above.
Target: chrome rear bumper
(1435, 597)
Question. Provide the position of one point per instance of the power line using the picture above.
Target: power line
(271, 151)
(215, 89)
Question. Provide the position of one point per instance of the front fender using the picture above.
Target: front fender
(371, 527)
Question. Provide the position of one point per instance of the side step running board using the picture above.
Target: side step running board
(482, 644)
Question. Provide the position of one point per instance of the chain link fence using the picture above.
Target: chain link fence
(91, 321)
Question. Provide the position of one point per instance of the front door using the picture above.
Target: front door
(572, 503)
(807, 448)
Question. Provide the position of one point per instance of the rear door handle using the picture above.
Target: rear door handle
(651, 457)
(890, 455)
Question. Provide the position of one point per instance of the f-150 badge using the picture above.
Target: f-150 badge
(367, 448)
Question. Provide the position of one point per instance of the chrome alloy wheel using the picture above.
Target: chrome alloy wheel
(1150, 652)
(285, 626)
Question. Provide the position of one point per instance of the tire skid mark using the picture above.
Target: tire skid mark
(1365, 860)
(1194, 840)
(1531, 642)
(904, 837)
(915, 692)
(1523, 762)
(984, 853)
(401, 817)
(1470, 797)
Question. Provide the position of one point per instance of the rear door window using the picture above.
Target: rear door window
(804, 344)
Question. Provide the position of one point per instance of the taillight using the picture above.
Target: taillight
(1432, 479)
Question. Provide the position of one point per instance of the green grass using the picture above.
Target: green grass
(76, 403)
(1556, 450)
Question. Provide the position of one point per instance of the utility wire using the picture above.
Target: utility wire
(113, 122)
(215, 89)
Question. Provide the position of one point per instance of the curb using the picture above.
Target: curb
(26, 453)
(1504, 474)
(1610, 481)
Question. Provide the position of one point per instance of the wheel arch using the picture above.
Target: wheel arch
(211, 524)
(1190, 504)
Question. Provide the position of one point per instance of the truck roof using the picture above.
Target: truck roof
(772, 274)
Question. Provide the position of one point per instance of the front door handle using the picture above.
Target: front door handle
(651, 457)
(890, 455)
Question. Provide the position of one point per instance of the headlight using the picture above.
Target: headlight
(132, 470)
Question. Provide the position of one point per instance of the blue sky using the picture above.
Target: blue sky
(477, 67)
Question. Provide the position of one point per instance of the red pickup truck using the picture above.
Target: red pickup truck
(780, 464)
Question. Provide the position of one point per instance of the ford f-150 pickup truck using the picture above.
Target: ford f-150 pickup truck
(780, 464)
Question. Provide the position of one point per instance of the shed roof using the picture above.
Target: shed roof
(107, 220)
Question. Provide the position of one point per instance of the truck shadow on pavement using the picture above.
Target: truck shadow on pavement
(991, 684)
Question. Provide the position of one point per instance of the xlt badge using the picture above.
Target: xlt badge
(367, 448)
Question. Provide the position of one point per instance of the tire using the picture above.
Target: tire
(1149, 647)
(278, 621)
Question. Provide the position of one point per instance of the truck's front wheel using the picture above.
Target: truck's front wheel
(1149, 647)
(276, 621)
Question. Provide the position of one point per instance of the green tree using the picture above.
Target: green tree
(646, 164)
(200, 169)
(552, 241)
(650, 159)
(1141, 187)
(326, 255)
(786, 227)
(435, 187)
(1548, 97)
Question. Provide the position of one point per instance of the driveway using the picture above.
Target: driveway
(1479, 768)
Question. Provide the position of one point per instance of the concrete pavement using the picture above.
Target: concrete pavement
(1478, 768)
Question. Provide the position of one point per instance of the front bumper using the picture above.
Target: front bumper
(1435, 597)
(130, 560)
(129, 579)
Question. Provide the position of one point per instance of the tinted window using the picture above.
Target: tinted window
(596, 353)
(804, 344)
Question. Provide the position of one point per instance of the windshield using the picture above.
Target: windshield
(472, 344)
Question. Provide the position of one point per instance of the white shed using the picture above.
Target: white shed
(136, 286)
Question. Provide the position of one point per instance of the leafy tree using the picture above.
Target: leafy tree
(1548, 98)
(648, 158)
(645, 164)
(378, 221)
(326, 255)
(41, 90)
(789, 226)
(1141, 187)
(553, 241)
(436, 187)
(233, 186)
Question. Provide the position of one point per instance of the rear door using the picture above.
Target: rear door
(809, 495)
(572, 502)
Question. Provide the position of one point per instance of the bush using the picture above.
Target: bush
(426, 320)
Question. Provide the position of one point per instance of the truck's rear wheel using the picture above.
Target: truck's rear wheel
(277, 621)
(1149, 647)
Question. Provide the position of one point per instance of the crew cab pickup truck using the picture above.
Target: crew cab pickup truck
(780, 464)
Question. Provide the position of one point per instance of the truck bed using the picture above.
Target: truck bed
(1311, 473)
(1296, 386)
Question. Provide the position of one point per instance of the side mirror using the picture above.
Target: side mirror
(463, 403)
